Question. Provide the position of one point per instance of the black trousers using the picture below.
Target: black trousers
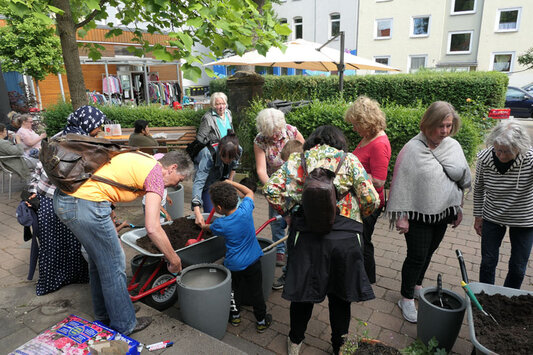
(422, 241)
(247, 287)
(368, 248)
(339, 319)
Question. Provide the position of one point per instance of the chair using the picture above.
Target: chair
(5, 170)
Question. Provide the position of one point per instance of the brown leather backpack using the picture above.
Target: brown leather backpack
(71, 160)
(319, 197)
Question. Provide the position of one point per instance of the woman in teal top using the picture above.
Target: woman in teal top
(217, 121)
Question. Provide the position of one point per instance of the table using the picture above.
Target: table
(171, 138)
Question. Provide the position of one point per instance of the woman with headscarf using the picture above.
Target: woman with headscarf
(60, 260)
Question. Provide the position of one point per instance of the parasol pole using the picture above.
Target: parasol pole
(340, 65)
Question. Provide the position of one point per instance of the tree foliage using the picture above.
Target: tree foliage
(219, 25)
(29, 47)
(527, 58)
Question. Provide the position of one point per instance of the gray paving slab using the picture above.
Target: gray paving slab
(23, 314)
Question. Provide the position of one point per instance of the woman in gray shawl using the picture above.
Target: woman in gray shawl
(430, 175)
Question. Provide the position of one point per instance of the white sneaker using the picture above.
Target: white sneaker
(408, 308)
(293, 349)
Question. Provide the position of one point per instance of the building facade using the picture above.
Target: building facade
(452, 35)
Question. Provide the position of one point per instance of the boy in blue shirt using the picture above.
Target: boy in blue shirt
(242, 249)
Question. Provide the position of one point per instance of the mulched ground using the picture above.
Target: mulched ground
(514, 334)
(376, 349)
(178, 232)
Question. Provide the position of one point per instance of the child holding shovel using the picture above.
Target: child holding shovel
(242, 249)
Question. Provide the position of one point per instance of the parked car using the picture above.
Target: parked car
(519, 101)
(528, 88)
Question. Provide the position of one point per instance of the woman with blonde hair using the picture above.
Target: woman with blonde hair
(430, 175)
(216, 122)
(374, 152)
(273, 134)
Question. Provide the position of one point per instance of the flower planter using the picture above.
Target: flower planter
(204, 295)
(443, 323)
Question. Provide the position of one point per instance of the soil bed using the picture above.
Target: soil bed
(178, 232)
(514, 334)
(376, 349)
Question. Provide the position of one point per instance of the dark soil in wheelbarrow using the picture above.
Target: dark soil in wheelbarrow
(178, 232)
(514, 334)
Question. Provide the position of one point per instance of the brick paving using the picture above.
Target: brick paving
(382, 315)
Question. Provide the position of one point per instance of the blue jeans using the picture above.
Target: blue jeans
(278, 229)
(206, 201)
(491, 238)
(92, 225)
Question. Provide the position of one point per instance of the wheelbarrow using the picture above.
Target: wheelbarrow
(153, 284)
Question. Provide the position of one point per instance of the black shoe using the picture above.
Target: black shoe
(279, 283)
(142, 322)
(264, 324)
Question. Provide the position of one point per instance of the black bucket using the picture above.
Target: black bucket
(442, 322)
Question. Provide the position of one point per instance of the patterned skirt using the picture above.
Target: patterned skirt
(60, 259)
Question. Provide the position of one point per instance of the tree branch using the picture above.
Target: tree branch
(91, 16)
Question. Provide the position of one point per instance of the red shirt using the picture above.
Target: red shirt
(375, 157)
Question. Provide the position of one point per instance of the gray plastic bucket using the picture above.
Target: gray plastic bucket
(177, 195)
(435, 321)
(204, 295)
(268, 266)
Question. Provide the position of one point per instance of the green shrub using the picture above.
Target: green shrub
(158, 116)
(55, 117)
(486, 88)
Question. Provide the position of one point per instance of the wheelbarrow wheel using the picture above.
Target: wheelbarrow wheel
(164, 298)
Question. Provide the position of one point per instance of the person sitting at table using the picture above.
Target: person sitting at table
(141, 136)
(28, 137)
(216, 122)
(16, 162)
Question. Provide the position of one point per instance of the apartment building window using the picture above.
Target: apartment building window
(502, 61)
(382, 60)
(508, 20)
(420, 26)
(383, 28)
(334, 24)
(463, 7)
(416, 62)
(298, 28)
(459, 42)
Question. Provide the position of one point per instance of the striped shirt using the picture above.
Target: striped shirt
(505, 199)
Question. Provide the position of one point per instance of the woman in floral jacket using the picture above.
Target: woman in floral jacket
(330, 264)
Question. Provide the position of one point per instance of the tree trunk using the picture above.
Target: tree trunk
(71, 55)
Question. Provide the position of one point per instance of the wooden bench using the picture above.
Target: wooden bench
(189, 135)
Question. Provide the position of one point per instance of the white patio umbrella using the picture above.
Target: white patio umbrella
(302, 54)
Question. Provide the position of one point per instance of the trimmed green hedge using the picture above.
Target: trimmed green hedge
(55, 117)
(487, 88)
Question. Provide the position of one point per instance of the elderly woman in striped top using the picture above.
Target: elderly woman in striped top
(503, 197)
